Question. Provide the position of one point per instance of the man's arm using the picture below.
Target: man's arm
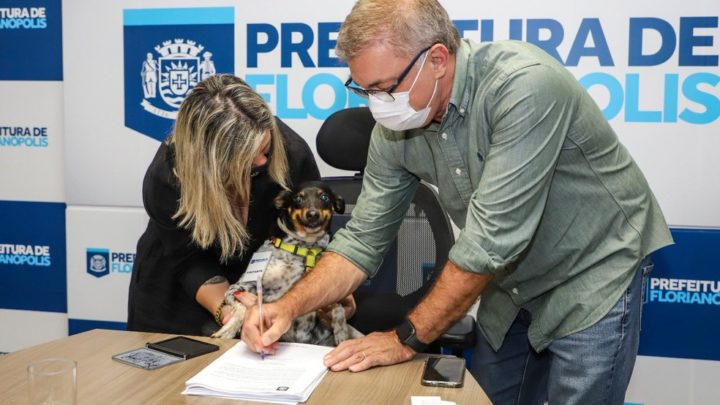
(455, 291)
(452, 295)
(332, 279)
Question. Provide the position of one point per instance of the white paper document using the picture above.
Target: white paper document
(288, 376)
(426, 400)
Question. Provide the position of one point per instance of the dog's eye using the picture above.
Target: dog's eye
(297, 199)
(324, 198)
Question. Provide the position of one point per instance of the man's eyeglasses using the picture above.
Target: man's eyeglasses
(386, 94)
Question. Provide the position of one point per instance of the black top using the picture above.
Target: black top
(169, 267)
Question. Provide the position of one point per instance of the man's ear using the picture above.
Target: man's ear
(439, 56)
(283, 199)
(339, 204)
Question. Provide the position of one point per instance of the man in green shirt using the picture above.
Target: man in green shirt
(556, 218)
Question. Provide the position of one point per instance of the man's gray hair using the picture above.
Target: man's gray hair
(407, 26)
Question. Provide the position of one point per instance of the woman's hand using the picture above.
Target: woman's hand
(248, 299)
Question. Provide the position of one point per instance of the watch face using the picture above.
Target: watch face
(406, 334)
(405, 330)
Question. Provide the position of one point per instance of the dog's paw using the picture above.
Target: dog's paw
(354, 333)
(232, 328)
(339, 324)
(228, 331)
(224, 333)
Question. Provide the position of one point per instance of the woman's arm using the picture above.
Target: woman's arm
(211, 295)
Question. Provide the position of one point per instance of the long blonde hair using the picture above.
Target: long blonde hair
(218, 133)
(407, 25)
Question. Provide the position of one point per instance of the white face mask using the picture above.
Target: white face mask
(398, 114)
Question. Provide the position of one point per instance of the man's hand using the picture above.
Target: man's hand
(277, 321)
(375, 349)
(333, 278)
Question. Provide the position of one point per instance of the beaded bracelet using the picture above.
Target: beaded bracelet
(218, 313)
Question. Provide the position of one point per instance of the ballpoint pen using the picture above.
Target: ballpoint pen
(260, 312)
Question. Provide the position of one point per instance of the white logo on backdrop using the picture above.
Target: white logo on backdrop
(98, 264)
(176, 71)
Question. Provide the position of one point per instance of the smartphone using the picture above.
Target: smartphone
(146, 358)
(183, 347)
(444, 371)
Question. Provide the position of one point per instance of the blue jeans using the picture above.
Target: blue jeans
(592, 366)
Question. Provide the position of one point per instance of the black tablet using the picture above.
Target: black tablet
(183, 347)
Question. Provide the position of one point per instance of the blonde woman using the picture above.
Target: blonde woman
(208, 193)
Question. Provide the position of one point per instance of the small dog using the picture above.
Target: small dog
(305, 215)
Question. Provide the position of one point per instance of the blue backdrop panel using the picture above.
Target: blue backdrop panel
(31, 40)
(681, 316)
(32, 256)
(76, 326)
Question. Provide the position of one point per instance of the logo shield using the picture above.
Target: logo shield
(179, 80)
(178, 75)
(98, 261)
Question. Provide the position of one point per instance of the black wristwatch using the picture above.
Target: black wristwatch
(406, 333)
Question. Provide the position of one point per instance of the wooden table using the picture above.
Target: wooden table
(103, 381)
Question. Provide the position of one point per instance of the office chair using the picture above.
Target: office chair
(418, 253)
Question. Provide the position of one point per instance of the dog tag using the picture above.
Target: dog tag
(256, 267)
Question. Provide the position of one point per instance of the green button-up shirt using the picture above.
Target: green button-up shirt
(547, 199)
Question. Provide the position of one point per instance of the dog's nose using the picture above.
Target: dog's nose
(312, 216)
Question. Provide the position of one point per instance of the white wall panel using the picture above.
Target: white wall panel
(659, 380)
(31, 164)
(101, 295)
(22, 329)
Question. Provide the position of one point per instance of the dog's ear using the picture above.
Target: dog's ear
(339, 204)
(282, 200)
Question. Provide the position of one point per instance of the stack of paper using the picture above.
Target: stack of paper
(425, 400)
(288, 376)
